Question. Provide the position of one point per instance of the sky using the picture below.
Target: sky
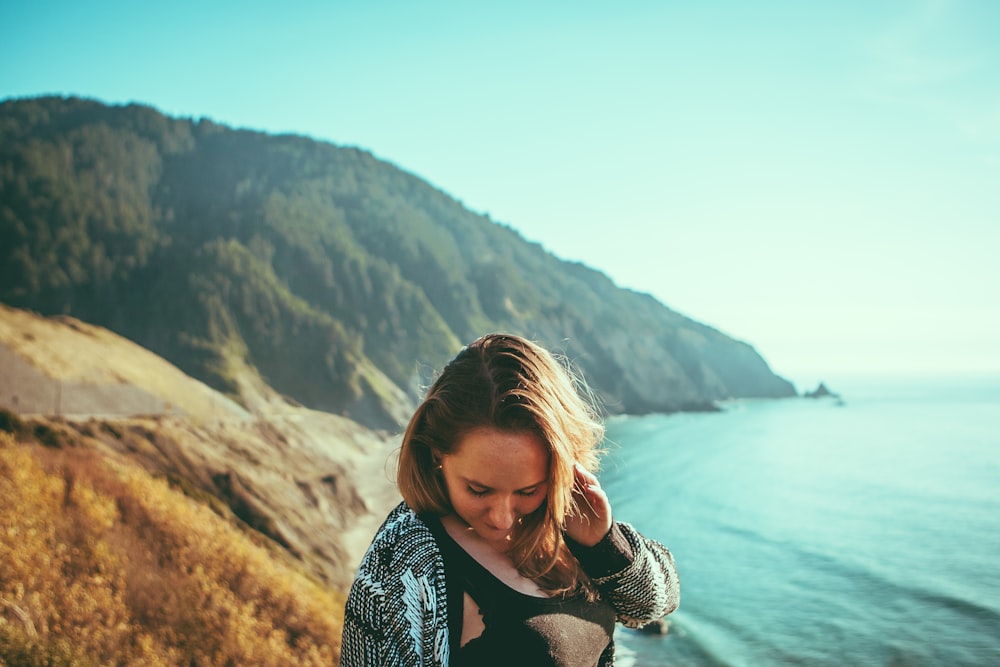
(820, 180)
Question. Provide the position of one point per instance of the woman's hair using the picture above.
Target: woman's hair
(505, 382)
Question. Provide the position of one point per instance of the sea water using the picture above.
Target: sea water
(864, 531)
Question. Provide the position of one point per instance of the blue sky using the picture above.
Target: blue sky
(821, 180)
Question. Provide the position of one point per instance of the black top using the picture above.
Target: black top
(521, 629)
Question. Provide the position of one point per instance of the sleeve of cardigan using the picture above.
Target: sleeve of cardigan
(396, 614)
(364, 642)
(636, 574)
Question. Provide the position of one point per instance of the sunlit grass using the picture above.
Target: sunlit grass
(69, 351)
(100, 563)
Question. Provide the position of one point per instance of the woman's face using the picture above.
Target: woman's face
(495, 477)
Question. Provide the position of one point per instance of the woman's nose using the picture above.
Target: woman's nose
(502, 513)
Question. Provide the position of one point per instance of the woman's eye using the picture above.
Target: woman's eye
(476, 492)
(529, 492)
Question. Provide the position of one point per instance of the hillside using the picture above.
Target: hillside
(105, 564)
(175, 526)
(341, 281)
(312, 483)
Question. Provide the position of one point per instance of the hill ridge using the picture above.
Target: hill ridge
(342, 280)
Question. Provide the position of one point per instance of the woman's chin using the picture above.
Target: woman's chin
(498, 537)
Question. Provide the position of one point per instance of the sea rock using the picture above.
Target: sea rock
(660, 627)
(821, 391)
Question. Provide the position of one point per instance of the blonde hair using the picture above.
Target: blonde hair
(508, 383)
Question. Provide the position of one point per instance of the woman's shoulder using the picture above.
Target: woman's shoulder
(402, 522)
(403, 538)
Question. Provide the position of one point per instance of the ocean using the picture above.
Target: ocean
(864, 531)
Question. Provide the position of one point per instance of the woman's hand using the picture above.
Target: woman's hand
(592, 520)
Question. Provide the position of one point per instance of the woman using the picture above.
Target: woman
(504, 550)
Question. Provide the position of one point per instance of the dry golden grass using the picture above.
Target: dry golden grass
(100, 563)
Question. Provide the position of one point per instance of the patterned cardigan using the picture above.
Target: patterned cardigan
(397, 611)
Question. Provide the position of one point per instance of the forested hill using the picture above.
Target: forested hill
(342, 280)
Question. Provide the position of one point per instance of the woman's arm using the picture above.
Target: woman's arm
(635, 574)
(396, 612)
(363, 642)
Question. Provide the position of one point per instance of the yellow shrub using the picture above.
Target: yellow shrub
(99, 561)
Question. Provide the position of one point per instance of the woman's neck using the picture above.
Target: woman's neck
(491, 555)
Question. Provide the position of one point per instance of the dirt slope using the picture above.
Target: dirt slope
(313, 482)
